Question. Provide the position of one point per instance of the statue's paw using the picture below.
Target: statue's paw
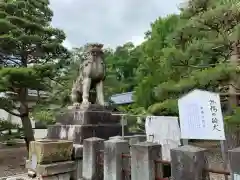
(105, 104)
(85, 104)
(76, 104)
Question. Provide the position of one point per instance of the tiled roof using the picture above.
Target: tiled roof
(123, 98)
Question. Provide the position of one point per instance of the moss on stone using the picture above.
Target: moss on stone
(51, 151)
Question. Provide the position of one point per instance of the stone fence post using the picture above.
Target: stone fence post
(91, 166)
(134, 139)
(187, 163)
(113, 150)
(77, 157)
(234, 158)
(143, 156)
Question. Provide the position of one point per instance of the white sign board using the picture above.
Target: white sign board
(123, 121)
(236, 176)
(165, 131)
(201, 116)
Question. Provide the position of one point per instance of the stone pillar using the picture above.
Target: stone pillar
(136, 139)
(132, 139)
(234, 158)
(77, 157)
(141, 138)
(187, 163)
(143, 156)
(113, 150)
(91, 166)
(115, 137)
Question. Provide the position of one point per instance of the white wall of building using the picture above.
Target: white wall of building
(38, 133)
(4, 115)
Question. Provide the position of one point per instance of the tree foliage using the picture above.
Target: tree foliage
(30, 52)
(202, 47)
(180, 52)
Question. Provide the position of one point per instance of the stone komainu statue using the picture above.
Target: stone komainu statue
(91, 76)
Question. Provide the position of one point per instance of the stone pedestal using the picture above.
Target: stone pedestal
(77, 133)
(94, 114)
(79, 124)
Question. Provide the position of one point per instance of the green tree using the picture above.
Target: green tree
(34, 47)
(202, 47)
(122, 63)
(153, 67)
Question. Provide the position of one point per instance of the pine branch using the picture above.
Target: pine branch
(13, 113)
(193, 66)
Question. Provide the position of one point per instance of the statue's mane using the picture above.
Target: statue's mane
(94, 47)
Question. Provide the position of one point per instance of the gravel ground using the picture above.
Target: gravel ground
(12, 161)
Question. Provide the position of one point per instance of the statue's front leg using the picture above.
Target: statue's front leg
(100, 96)
(86, 89)
(74, 97)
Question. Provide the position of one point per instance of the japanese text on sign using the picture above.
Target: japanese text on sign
(201, 116)
(214, 110)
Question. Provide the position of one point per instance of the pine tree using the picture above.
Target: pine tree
(29, 47)
(203, 45)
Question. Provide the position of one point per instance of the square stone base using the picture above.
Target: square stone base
(52, 169)
(65, 176)
(77, 133)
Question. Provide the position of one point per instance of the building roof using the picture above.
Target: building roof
(123, 98)
(32, 92)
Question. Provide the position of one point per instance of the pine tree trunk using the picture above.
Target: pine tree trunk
(28, 131)
(233, 130)
(232, 136)
(24, 114)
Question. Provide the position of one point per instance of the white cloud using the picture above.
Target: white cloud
(137, 40)
(111, 22)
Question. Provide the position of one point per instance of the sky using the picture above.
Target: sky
(111, 22)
